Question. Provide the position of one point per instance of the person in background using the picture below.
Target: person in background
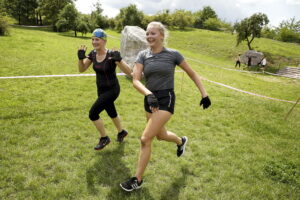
(158, 63)
(104, 63)
(238, 61)
(264, 64)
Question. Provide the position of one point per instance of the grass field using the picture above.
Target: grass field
(239, 148)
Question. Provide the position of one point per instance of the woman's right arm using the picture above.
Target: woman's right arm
(83, 62)
(136, 79)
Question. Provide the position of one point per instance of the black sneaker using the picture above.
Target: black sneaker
(122, 135)
(102, 143)
(181, 148)
(131, 184)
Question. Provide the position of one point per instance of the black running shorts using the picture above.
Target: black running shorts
(166, 100)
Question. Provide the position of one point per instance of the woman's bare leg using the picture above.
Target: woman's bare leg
(155, 123)
(100, 127)
(117, 123)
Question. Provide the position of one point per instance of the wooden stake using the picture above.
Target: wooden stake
(291, 109)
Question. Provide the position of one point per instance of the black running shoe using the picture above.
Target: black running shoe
(102, 143)
(181, 148)
(122, 135)
(131, 184)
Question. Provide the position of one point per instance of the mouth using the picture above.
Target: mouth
(150, 41)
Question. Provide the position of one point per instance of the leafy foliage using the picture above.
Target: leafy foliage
(129, 16)
(51, 9)
(213, 24)
(68, 18)
(182, 18)
(250, 28)
(203, 15)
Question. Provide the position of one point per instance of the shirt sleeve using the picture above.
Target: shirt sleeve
(140, 58)
(90, 56)
(178, 58)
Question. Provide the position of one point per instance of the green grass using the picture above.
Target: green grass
(239, 148)
(220, 47)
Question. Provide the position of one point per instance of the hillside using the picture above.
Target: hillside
(239, 148)
(222, 46)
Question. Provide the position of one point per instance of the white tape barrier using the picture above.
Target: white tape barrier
(122, 74)
(44, 76)
(251, 93)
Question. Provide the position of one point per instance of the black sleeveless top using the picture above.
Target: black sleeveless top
(106, 77)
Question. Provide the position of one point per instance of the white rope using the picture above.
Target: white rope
(122, 74)
(251, 93)
(44, 76)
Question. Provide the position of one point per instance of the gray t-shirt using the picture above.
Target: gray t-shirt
(159, 68)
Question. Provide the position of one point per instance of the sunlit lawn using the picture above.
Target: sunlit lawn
(239, 148)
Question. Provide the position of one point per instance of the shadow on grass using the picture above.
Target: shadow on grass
(35, 113)
(35, 28)
(109, 171)
(174, 190)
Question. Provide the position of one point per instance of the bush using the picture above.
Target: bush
(4, 21)
(212, 24)
(288, 35)
(62, 25)
(83, 28)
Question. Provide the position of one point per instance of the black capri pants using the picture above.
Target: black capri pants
(105, 102)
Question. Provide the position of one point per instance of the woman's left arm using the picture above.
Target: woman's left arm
(124, 67)
(194, 76)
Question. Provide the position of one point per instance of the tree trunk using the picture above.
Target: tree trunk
(41, 21)
(249, 44)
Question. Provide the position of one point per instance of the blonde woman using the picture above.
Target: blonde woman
(158, 65)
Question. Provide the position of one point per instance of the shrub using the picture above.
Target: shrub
(288, 35)
(4, 25)
(212, 24)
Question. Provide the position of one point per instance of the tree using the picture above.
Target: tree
(289, 31)
(203, 15)
(182, 18)
(51, 9)
(269, 32)
(129, 16)
(97, 19)
(68, 18)
(21, 10)
(83, 27)
(291, 24)
(212, 24)
(250, 28)
(164, 17)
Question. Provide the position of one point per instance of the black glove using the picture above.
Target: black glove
(81, 54)
(116, 56)
(205, 102)
(152, 100)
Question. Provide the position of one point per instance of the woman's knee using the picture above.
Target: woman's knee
(93, 115)
(160, 137)
(146, 141)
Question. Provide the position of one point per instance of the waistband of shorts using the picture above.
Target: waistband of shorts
(165, 91)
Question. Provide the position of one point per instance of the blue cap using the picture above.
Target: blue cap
(99, 33)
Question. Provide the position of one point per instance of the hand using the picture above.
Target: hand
(116, 56)
(152, 101)
(81, 52)
(205, 101)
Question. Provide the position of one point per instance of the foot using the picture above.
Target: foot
(102, 143)
(131, 184)
(122, 135)
(181, 148)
